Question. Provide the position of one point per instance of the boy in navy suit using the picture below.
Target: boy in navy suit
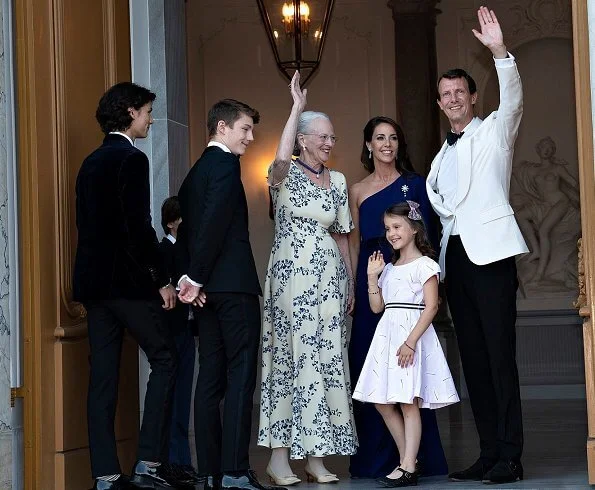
(181, 327)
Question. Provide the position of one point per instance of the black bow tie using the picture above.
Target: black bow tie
(451, 138)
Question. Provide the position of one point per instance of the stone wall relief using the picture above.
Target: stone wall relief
(523, 21)
(544, 195)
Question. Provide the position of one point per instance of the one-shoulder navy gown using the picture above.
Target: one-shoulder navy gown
(377, 453)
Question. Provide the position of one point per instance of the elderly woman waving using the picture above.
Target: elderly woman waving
(306, 411)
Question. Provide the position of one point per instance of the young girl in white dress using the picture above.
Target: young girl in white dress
(405, 364)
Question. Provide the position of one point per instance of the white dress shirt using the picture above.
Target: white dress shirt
(123, 134)
(447, 180)
(219, 145)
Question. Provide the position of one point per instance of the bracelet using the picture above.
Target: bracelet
(406, 344)
(373, 292)
(165, 287)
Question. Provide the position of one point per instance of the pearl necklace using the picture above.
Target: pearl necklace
(315, 172)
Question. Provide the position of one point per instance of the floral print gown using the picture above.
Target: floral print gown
(305, 390)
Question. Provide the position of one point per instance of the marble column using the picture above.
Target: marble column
(158, 52)
(415, 64)
(5, 326)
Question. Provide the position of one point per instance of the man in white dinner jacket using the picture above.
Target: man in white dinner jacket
(468, 187)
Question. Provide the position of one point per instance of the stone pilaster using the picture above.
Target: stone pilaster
(158, 52)
(415, 63)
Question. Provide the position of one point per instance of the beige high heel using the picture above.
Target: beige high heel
(325, 478)
(282, 480)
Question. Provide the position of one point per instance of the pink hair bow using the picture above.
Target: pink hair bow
(413, 212)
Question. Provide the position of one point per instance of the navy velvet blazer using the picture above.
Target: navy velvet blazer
(117, 254)
(214, 229)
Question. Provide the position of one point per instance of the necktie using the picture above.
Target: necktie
(451, 138)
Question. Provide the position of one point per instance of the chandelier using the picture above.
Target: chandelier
(296, 31)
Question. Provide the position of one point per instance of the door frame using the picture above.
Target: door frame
(40, 268)
(585, 301)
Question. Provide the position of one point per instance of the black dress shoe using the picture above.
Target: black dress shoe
(476, 472)
(212, 482)
(147, 476)
(191, 472)
(120, 484)
(178, 477)
(504, 472)
(406, 479)
(247, 481)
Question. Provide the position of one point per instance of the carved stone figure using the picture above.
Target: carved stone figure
(545, 197)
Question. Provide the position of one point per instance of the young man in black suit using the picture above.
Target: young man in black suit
(221, 277)
(118, 276)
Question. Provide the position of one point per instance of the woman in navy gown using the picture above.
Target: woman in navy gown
(391, 180)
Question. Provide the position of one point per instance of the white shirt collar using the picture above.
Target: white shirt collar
(471, 127)
(219, 145)
(171, 238)
(125, 136)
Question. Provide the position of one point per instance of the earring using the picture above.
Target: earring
(369, 153)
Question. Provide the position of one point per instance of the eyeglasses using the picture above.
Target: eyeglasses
(323, 137)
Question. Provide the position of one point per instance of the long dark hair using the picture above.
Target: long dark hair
(402, 162)
(421, 237)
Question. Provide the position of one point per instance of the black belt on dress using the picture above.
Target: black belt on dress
(405, 306)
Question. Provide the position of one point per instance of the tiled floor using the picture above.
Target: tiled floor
(554, 457)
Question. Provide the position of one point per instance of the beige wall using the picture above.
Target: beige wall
(229, 56)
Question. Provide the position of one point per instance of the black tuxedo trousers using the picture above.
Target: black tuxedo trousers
(482, 302)
(143, 319)
(229, 338)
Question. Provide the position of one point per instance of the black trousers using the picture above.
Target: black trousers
(482, 302)
(144, 320)
(228, 340)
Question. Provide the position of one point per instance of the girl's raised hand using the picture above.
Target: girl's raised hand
(375, 264)
(299, 95)
(405, 356)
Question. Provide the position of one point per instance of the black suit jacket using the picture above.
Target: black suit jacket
(214, 228)
(117, 254)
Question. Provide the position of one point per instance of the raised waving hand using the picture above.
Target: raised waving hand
(491, 32)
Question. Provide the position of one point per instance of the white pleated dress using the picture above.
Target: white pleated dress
(382, 380)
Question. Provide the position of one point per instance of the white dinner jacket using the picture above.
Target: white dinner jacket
(485, 219)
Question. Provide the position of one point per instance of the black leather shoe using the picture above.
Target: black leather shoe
(247, 481)
(120, 484)
(476, 472)
(145, 476)
(178, 477)
(191, 472)
(504, 472)
(212, 482)
(406, 479)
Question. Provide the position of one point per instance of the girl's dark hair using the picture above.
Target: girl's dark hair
(402, 162)
(112, 111)
(421, 237)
